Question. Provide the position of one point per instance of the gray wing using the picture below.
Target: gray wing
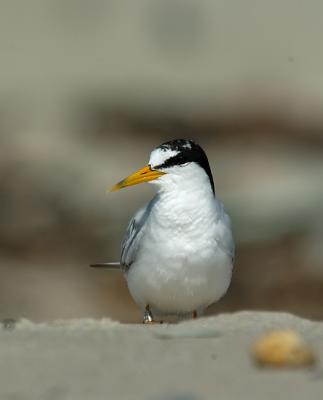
(134, 234)
(224, 237)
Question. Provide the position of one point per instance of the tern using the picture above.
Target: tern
(178, 252)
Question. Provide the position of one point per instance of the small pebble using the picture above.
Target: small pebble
(284, 348)
(8, 324)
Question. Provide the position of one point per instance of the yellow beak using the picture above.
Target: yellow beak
(144, 174)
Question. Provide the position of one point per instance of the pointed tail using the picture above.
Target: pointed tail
(106, 265)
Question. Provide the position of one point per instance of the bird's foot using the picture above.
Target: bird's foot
(148, 317)
(152, 322)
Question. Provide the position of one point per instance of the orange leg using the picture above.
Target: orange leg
(194, 314)
(148, 317)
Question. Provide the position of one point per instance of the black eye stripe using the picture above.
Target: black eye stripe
(172, 161)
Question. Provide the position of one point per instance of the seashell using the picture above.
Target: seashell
(283, 348)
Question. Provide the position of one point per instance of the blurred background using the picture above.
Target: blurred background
(89, 88)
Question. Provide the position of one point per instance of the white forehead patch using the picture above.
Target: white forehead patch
(160, 155)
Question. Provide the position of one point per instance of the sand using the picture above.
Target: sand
(208, 358)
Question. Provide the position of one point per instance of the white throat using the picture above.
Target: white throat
(186, 195)
(188, 179)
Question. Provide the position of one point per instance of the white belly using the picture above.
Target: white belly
(179, 280)
(184, 261)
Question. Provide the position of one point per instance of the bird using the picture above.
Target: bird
(177, 255)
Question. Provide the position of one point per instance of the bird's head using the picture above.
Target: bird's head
(172, 163)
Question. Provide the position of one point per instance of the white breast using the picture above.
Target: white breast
(182, 264)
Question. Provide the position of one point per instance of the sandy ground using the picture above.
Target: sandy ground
(101, 359)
